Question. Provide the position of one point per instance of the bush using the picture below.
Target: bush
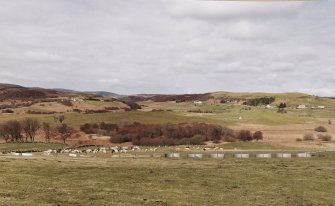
(257, 135)
(197, 139)
(298, 139)
(260, 101)
(245, 135)
(308, 137)
(112, 108)
(77, 110)
(321, 129)
(9, 111)
(325, 138)
(122, 138)
(65, 102)
(88, 129)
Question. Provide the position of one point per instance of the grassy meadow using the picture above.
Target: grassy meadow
(101, 179)
(228, 117)
(160, 181)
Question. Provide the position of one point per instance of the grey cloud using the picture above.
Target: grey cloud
(218, 10)
(168, 46)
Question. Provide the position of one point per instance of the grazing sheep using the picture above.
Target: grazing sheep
(123, 151)
(76, 151)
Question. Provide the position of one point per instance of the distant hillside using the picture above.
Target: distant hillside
(289, 98)
(2, 85)
(104, 94)
(16, 92)
(95, 93)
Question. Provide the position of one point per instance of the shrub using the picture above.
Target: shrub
(325, 138)
(112, 108)
(257, 135)
(260, 101)
(122, 138)
(77, 110)
(197, 139)
(87, 129)
(321, 129)
(245, 135)
(90, 111)
(298, 139)
(65, 102)
(308, 137)
(39, 112)
(132, 105)
(9, 111)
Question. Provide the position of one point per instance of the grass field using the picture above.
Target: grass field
(30, 146)
(254, 116)
(114, 181)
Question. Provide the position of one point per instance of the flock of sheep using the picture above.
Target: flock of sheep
(117, 151)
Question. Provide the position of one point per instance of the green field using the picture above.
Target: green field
(223, 114)
(228, 117)
(114, 181)
(29, 146)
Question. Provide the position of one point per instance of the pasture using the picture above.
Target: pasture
(105, 180)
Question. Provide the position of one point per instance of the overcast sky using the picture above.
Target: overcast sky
(169, 46)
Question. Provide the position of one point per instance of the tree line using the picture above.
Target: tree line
(169, 134)
(260, 101)
(27, 130)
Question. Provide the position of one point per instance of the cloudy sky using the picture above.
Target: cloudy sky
(169, 46)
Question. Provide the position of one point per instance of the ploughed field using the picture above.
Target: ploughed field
(103, 180)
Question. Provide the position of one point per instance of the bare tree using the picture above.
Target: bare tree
(4, 134)
(14, 130)
(47, 131)
(30, 128)
(65, 132)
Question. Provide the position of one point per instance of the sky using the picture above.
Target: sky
(169, 46)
